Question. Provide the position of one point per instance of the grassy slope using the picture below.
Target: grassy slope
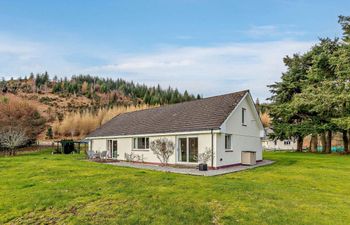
(298, 189)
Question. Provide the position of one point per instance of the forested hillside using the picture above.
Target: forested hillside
(74, 106)
(95, 87)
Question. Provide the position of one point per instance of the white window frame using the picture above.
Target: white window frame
(135, 144)
(228, 145)
(244, 110)
(110, 148)
(177, 158)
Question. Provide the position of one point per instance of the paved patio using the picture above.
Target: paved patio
(191, 171)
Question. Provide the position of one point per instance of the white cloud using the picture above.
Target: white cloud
(262, 30)
(273, 31)
(207, 70)
(19, 57)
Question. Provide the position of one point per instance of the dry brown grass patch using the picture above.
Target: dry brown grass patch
(80, 124)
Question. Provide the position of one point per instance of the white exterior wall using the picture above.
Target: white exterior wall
(279, 145)
(244, 138)
(125, 145)
(98, 145)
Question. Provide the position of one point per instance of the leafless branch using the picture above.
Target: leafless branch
(12, 138)
(163, 149)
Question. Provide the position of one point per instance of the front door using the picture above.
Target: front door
(188, 149)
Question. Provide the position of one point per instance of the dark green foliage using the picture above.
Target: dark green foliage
(56, 88)
(344, 21)
(150, 95)
(313, 96)
(94, 85)
(41, 79)
(49, 133)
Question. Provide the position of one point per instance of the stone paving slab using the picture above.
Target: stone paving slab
(191, 171)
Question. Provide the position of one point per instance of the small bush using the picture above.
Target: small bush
(205, 156)
(45, 100)
(130, 157)
(163, 149)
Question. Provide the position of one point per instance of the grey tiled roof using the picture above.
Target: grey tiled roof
(197, 115)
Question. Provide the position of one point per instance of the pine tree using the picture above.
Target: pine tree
(344, 21)
(286, 122)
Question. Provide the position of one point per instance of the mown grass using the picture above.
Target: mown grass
(299, 188)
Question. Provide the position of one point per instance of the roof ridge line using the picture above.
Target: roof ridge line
(195, 100)
(217, 106)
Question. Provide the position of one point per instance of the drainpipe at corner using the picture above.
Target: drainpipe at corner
(212, 148)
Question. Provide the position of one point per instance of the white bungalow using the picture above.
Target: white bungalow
(269, 143)
(227, 124)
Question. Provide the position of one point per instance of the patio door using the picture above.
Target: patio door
(193, 149)
(188, 149)
(113, 148)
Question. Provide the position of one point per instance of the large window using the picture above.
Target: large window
(112, 147)
(141, 143)
(188, 149)
(228, 141)
(243, 117)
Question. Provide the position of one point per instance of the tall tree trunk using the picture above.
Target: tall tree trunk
(323, 142)
(300, 141)
(310, 144)
(329, 142)
(313, 143)
(346, 141)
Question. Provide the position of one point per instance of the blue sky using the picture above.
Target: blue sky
(207, 47)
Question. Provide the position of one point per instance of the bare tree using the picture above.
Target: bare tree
(12, 138)
(163, 149)
(205, 156)
(130, 157)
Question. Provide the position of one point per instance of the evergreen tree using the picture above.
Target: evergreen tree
(313, 96)
(344, 21)
(147, 98)
(49, 133)
(287, 122)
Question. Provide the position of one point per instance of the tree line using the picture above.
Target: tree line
(313, 96)
(91, 86)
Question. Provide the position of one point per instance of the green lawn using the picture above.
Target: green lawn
(299, 188)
